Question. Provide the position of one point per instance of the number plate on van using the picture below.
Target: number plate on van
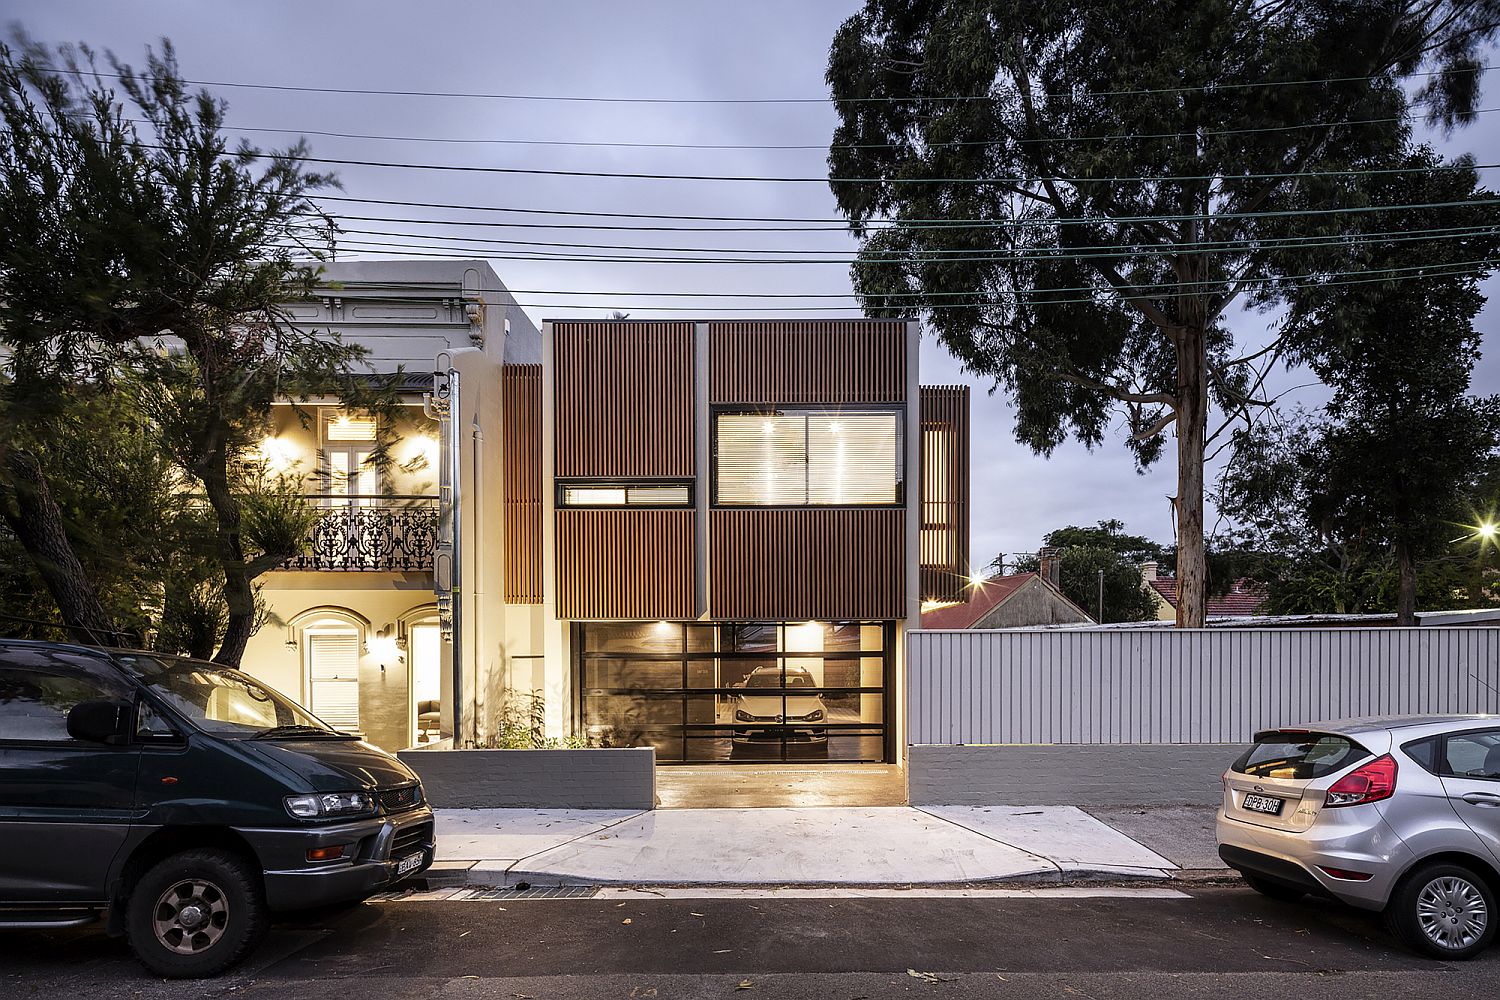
(1264, 804)
(408, 864)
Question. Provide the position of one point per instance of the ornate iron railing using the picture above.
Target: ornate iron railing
(390, 534)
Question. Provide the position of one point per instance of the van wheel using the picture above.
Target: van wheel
(1274, 890)
(1443, 910)
(195, 914)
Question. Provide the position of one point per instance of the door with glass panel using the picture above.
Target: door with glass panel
(812, 691)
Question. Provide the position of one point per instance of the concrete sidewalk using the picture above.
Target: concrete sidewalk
(895, 845)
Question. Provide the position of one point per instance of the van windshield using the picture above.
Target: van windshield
(222, 701)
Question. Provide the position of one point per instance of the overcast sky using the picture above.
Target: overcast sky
(643, 48)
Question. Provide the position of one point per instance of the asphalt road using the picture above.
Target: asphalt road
(1219, 942)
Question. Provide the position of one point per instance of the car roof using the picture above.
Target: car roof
(1384, 723)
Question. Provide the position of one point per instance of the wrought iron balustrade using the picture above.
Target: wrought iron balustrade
(371, 533)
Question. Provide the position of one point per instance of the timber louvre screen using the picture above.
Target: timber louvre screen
(523, 483)
(1185, 686)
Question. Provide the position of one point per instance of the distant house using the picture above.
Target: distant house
(1245, 597)
(1018, 601)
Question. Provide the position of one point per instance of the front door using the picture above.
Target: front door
(1471, 776)
(333, 675)
(66, 806)
(424, 650)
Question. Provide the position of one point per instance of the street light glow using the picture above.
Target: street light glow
(1488, 529)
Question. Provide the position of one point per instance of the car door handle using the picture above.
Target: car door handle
(1481, 799)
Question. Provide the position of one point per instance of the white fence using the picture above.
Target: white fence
(1180, 686)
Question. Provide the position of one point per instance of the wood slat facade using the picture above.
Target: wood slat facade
(631, 564)
(807, 361)
(623, 399)
(523, 483)
(943, 541)
(804, 564)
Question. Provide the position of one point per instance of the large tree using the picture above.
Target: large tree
(1106, 549)
(1075, 195)
(135, 238)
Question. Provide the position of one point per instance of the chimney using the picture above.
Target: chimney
(1148, 571)
(1050, 560)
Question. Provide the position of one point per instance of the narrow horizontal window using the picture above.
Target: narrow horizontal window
(801, 458)
(627, 495)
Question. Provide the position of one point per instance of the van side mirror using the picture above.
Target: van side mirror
(101, 721)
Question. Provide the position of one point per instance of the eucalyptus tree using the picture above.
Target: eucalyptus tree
(1077, 196)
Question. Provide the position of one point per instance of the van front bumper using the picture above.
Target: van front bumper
(374, 848)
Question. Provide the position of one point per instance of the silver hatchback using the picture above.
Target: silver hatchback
(1399, 814)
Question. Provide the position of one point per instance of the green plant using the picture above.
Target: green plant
(522, 725)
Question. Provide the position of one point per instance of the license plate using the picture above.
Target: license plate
(1264, 804)
(409, 864)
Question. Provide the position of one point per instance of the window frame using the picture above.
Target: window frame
(808, 410)
(101, 673)
(561, 487)
(1441, 756)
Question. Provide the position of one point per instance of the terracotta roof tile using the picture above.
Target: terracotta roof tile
(1245, 598)
(986, 597)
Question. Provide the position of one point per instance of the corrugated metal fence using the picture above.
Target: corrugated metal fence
(1171, 686)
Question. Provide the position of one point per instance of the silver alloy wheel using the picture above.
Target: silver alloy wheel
(190, 917)
(1452, 912)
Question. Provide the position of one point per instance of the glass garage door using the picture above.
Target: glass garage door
(806, 692)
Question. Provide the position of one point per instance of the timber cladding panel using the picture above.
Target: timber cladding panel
(623, 399)
(636, 564)
(807, 361)
(523, 483)
(944, 539)
(803, 564)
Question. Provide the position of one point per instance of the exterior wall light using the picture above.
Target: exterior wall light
(278, 455)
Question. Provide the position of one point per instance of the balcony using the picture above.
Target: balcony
(390, 534)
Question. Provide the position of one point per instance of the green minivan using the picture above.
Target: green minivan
(183, 802)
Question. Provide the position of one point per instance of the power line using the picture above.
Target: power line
(832, 225)
(959, 98)
(823, 179)
(819, 146)
(1444, 271)
(904, 256)
(1149, 289)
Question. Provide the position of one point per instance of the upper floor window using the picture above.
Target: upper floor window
(795, 458)
(639, 494)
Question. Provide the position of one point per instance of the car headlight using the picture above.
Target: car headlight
(330, 804)
(740, 715)
(816, 715)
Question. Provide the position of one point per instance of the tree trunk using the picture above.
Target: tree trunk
(239, 596)
(1406, 593)
(1192, 428)
(38, 526)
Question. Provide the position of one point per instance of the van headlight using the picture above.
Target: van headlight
(330, 804)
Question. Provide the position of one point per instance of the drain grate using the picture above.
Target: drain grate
(530, 892)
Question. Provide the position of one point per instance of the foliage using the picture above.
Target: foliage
(1085, 552)
(522, 725)
(1134, 171)
(136, 239)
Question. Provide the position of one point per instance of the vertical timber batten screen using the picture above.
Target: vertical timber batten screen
(1185, 686)
(944, 539)
(627, 564)
(523, 484)
(821, 362)
(624, 399)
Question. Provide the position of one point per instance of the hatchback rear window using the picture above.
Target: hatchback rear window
(1300, 756)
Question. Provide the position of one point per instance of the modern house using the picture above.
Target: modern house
(1020, 600)
(708, 537)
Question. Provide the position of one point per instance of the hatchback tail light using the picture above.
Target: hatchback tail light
(1367, 783)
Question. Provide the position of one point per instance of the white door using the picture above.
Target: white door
(333, 676)
(350, 474)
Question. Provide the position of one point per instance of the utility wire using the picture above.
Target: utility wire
(824, 179)
(835, 225)
(819, 146)
(1018, 300)
(902, 256)
(959, 98)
